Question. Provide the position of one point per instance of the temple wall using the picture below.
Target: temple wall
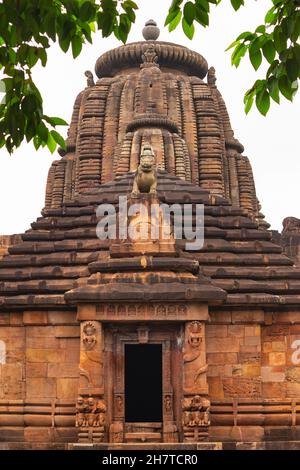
(233, 356)
(254, 374)
(39, 357)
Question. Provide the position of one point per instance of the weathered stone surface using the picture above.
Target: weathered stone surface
(63, 369)
(36, 370)
(226, 315)
(40, 388)
(67, 388)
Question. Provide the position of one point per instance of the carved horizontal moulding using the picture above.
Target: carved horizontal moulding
(141, 312)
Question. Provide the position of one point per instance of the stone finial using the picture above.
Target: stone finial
(151, 31)
(211, 76)
(90, 78)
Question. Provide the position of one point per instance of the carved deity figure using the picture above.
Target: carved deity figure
(90, 412)
(145, 180)
(80, 412)
(99, 414)
(89, 339)
(194, 358)
(196, 411)
(149, 57)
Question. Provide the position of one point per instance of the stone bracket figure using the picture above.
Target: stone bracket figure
(90, 419)
(195, 418)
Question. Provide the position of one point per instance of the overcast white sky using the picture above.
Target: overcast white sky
(272, 143)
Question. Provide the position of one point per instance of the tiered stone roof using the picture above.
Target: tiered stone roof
(62, 253)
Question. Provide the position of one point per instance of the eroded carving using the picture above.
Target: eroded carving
(195, 418)
(149, 57)
(291, 224)
(90, 78)
(145, 180)
(194, 358)
(89, 336)
(90, 418)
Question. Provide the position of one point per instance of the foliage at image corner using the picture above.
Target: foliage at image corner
(276, 42)
(28, 28)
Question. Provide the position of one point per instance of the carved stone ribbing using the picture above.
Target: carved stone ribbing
(91, 138)
(49, 186)
(169, 55)
(244, 184)
(110, 129)
(58, 184)
(189, 126)
(209, 137)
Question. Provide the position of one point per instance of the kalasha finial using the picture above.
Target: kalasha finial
(211, 76)
(151, 31)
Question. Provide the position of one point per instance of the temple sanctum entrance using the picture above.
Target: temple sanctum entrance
(143, 383)
(143, 396)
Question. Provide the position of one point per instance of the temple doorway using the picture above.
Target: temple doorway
(143, 383)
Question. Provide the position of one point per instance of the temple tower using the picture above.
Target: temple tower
(114, 341)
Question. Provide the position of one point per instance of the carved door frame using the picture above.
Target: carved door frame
(117, 336)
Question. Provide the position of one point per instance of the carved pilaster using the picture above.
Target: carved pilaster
(91, 407)
(195, 405)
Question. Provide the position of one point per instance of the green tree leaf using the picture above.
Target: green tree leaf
(76, 46)
(255, 56)
(237, 4)
(188, 30)
(292, 69)
(285, 87)
(42, 132)
(248, 101)
(87, 11)
(51, 143)
(202, 16)
(280, 40)
(269, 51)
(55, 121)
(238, 53)
(263, 102)
(271, 15)
(189, 13)
(59, 139)
(176, 20)
(274, 89)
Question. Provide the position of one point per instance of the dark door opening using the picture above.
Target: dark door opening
(143, 383)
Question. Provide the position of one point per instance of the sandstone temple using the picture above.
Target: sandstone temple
(112, 343)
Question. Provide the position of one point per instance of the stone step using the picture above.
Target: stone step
(143, 437)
